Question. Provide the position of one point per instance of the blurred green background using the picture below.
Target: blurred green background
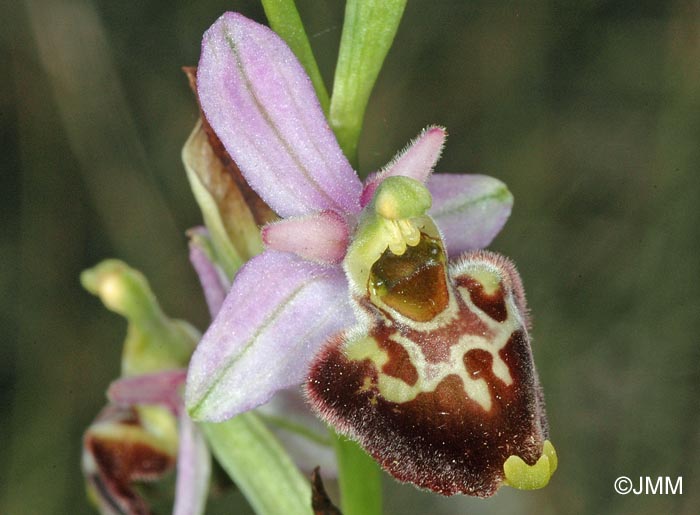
(588, 110)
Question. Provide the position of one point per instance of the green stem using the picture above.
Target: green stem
(368, 31)
(359, 478)
(259, 466)
(285, 21)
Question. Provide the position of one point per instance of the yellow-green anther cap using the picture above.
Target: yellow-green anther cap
(399, 198)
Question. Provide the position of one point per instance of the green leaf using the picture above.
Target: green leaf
(285, 21)
(368, 31)
(360, 479)
(259, 466)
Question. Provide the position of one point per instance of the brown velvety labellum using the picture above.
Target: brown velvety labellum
(443, 403)
(114, 462)
(441, 440)
(129, 460)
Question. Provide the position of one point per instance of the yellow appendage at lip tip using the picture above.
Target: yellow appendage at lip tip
(522, 476)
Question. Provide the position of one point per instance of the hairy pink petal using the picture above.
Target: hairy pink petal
(193, 469)
(416, 161)
(318, 237)
(262, 106)
(157, 388)
(279, 311)
(470, 210)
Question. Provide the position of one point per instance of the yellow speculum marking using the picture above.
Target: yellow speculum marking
(367, 348)
(430, 374)
(490, 281)
(522, 476)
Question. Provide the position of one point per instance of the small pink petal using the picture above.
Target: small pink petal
(280, 310)
(262, 106)
(416, 161)
(470, 210)
(214, 283)
(158, 388)
(318, 237)
(193, 469)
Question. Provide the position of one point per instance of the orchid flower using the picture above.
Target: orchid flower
(426, 362)
(133, 440)
(144, 432)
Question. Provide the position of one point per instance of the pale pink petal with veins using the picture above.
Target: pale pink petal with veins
(319, 237)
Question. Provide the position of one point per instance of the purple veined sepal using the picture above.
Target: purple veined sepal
(286, 414)
(470, 209)
(279, 310)
(438, 382)
(258, 99)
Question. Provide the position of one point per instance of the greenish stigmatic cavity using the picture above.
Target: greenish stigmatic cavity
(394, 219)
